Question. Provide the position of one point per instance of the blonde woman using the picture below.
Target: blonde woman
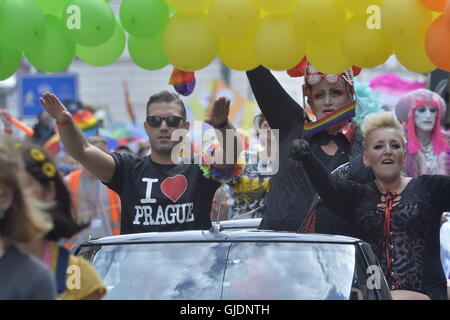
(21, 275)
(398, 216)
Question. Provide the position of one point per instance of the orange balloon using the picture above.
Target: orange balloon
(435, 5)
(447, 14)
(437, 44)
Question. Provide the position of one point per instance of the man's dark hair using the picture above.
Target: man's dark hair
(168, 97)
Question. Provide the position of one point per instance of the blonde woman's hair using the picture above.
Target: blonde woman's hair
(379, 120)
(25, 220)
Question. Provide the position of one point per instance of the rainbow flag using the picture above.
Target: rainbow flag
(342, 114)
(182, 81)
(85, 119)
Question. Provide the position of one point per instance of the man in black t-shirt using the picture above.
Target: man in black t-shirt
(156, 193)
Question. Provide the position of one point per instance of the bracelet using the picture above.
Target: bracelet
(223, 125)
(62, 124)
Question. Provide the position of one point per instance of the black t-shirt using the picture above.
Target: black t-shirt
(157, 197)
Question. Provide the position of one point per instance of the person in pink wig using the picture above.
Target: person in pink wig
(428, 150)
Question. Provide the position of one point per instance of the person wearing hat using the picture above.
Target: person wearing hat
(292, 203)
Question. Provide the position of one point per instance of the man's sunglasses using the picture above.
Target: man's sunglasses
(155, 121)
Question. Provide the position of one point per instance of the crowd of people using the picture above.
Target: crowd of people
(385, 181)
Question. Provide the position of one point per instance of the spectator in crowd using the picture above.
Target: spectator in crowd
(75, 277)
(22, 276)
(95, 203)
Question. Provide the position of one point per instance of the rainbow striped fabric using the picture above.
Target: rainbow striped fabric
(85, 119)
(342, 114)
(182, 81)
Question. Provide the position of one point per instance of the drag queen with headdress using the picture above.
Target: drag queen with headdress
(291, 204)
(421, 112)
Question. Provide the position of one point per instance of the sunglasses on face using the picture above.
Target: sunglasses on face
(156, 121)
(313, 76)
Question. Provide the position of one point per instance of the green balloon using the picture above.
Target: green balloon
(89, 23)
(56, 50)
(147, 53)
(106, 53)
(9, 62)
(144, 18)
(51, 6)
(22, 24)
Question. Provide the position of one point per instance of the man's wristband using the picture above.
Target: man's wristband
(223, 125)
(62, 124)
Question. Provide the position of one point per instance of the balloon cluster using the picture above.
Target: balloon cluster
(189, 34)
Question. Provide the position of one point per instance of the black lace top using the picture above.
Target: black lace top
(403, 229)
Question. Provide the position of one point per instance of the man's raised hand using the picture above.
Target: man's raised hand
(54, 107)
(219, 112)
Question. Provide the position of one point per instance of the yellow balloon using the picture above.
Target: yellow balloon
(327, 57)
(359, 6)
(277, 6)
(233, 19)
(189, 5)
(238, 54)
(277, 45)
(189, 42)
(405, 21)
(414, 57)
(364, 47)
(319, 20)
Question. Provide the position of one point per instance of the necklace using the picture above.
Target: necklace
(430, 159)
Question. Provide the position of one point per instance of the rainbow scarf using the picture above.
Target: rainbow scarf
(182, 81)
(342, 114)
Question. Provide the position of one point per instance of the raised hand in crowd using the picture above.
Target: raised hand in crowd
(54, 107)
(218, 115)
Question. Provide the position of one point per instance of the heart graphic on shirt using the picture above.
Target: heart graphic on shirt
(174, 187)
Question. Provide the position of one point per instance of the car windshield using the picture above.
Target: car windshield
(227, 270)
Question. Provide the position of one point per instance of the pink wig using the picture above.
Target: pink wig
(405, 111)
